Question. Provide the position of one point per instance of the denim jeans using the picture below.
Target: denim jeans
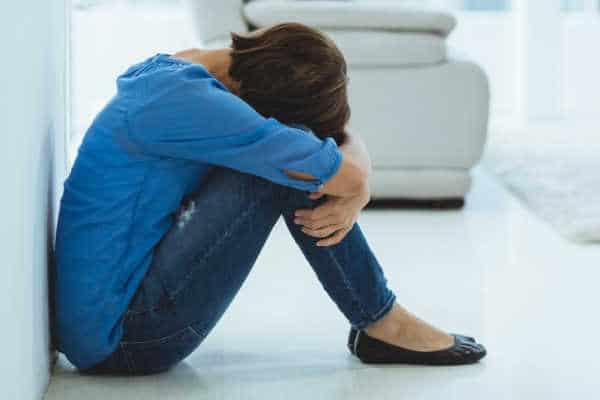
(201, 263)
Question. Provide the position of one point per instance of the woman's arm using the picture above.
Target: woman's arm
(348, 193)
(355, 148)
(352, 178)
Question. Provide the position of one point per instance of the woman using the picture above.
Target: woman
(178, 183)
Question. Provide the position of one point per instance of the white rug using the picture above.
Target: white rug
(555, 170)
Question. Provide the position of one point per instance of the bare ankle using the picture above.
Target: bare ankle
(389, 325)
(401, 328)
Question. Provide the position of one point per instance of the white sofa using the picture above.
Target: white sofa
(422, 113)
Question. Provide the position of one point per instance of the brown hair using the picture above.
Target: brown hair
(295, 74)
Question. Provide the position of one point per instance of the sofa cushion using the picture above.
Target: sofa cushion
(216, 19)
(379, 49)
(433, 117)
(388, 49)
(349, 15)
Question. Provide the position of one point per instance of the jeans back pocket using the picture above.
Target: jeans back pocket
(158, 355)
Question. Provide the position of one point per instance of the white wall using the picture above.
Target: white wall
(475, 35)
(139, 29)
(32, 124)
(581, 64)
(540, 48)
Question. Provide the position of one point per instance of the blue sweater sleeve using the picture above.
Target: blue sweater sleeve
(184, 114)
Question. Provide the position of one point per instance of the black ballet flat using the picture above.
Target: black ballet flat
(369, 350)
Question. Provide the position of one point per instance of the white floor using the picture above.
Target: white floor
(492, 270)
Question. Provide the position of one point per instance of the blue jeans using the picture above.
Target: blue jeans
(201, 263)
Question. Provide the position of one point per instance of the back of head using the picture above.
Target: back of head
(295, 74)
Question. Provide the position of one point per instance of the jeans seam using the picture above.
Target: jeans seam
(218, 242)
(159, 340)
(128, 360)
(216, 245)
(172, 296)
(196, 332)
(353, 295)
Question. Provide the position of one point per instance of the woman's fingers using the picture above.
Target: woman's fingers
(323, 232)
(321, 223)
(335, 239)
(313, 214)
(315, 195)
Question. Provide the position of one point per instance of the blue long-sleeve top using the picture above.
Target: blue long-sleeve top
(152, 144)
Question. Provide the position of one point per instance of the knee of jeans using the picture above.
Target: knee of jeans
(234, 180)
(297, 200)
(294, 199)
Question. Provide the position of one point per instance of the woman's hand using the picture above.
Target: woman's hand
(332, 220)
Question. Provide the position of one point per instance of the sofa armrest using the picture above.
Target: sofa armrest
(349, 15)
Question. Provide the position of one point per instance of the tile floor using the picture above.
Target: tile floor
(492, 270)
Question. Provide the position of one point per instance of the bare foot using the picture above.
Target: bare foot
(401, 328)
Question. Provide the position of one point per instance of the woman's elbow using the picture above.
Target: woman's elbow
(360, 183)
